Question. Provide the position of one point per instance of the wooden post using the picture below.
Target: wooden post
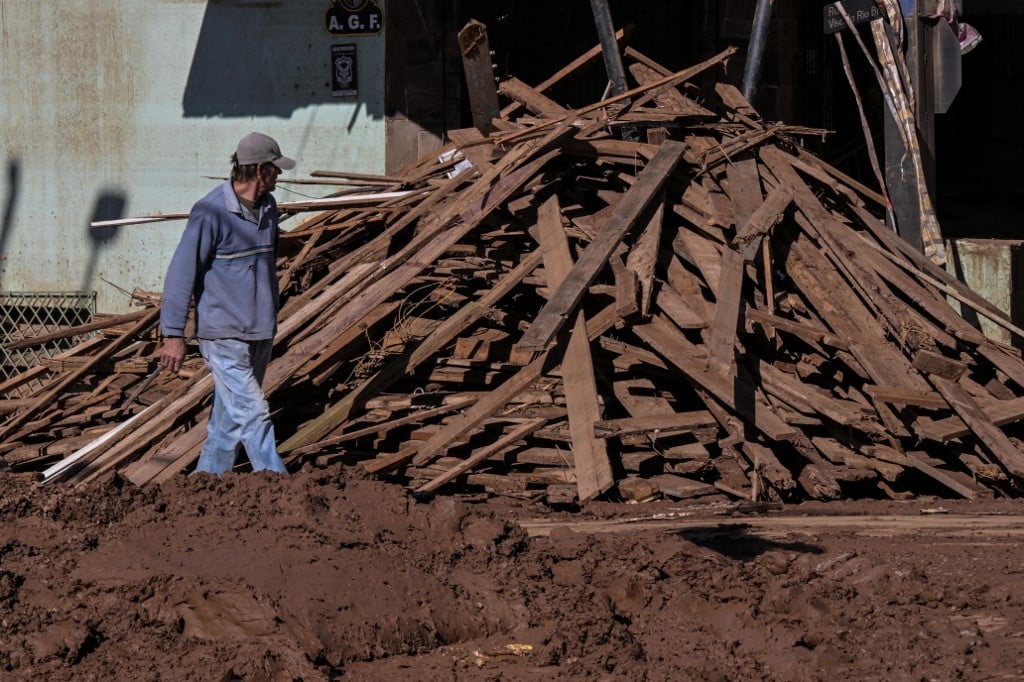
(476, 61)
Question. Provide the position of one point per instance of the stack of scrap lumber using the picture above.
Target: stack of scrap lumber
(553, 312)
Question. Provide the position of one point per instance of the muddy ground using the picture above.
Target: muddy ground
(324, 574)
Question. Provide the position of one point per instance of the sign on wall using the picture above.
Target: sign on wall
(344, 74)
(353, 18)
(859, 11)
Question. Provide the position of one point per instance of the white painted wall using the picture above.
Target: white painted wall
(114, 108)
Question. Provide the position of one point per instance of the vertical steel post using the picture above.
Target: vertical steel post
(609, 45)
(755, 49)
(612, 58)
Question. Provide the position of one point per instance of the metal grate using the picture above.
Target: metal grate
(29, 314)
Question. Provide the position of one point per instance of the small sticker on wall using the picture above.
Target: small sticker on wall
(343, 71)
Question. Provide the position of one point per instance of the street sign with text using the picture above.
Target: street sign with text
(859, 11)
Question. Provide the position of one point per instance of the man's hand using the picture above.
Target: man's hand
(174, 353)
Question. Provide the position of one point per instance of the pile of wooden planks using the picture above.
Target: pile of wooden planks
(553, 312)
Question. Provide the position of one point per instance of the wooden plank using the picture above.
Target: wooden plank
(811, 399)
(627, 288)
(475, 48)
(481, 454)
(806, 159)
(846, 315)
(945, 478)
(595, 257)
(722, 343)
(456, 403)
(66, 466)
(740, 397)
(1001, 447)
(768, 467)
(349, 343)
(761, 221)
(999, 413)
(679, 488)
(11, 428)
(609, 150)
(670, 80)
(593, 468)
(811, 333)
(689, 287)
(734, 99)
(541, 456)
(68, 332)
(902, 396)
(319, 427)
(416, 257)
(744, 190)
(745, 193)
(576, 65)
(476, 148)
(174, 408)
(678, 309)
(184, 459)
(656, 424)
(643, 258)
(703, 254)
(846, 255)
(668, 98)
(921, 268)
(862, 273)
(433, 217)
(486, 406)
(534, 100)
(929, 362)
(173, 457)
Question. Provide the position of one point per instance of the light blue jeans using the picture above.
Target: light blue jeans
(240, 416)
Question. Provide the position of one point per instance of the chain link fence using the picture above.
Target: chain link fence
(30, 314)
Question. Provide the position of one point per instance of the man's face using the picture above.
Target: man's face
(267, 179)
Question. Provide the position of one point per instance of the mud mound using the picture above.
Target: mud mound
(323, 576)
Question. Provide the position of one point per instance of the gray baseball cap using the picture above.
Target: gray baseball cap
(260, 148)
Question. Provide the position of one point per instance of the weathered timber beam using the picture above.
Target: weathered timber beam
(486, 406)
(593, 468)
(595, 257)
(10, 429)
(741, 398)
(484, 453)
(475, 48)
(664, 424)
(538, 103)
(449, 329)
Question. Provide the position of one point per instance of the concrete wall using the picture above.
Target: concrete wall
(114, 108)
(995, 269)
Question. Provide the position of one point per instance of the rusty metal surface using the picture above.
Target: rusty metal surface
(995, 269)
(115, 108)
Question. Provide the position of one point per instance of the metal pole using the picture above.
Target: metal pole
(609, 45)
(755, 50)
(612, 59)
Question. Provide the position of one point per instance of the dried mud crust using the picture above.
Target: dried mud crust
(320, 575)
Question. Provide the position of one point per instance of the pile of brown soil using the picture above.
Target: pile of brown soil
(320, 575)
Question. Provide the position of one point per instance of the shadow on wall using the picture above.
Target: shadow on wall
(109, 206)
(10, 201)
(265, 59)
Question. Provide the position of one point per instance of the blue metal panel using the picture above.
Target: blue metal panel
(116, 108)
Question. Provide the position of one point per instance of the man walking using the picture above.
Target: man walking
(226, 261)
